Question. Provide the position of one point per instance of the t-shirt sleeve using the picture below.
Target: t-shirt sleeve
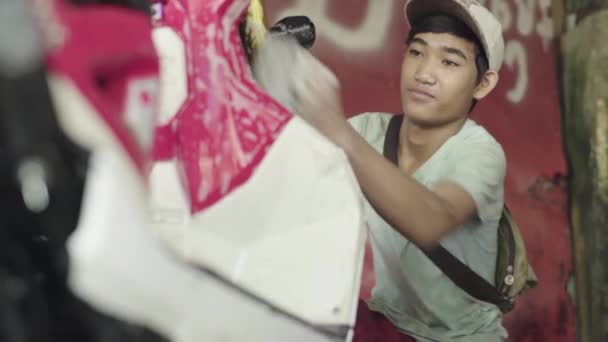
(358, 122)
(480, 168)
(372, 127)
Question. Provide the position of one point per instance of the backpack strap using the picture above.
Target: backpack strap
(456, 270)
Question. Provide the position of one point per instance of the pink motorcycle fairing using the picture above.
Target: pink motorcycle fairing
(227, 123)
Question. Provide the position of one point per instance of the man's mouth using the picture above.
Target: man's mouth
(420, 95)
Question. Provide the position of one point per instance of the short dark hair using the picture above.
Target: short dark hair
(445, 23)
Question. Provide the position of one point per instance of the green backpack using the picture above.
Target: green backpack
(513, 272)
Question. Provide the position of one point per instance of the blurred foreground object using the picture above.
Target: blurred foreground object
(44, 169)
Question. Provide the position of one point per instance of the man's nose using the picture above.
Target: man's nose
(425, 72)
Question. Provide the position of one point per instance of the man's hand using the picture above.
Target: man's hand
(300, 82)
(319, 103)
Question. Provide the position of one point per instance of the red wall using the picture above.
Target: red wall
(362, 41)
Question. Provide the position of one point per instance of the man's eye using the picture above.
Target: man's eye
(450, 63)
(414, 52)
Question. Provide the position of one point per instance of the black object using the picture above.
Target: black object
(456, 270)
(42, 177)
(299, 27)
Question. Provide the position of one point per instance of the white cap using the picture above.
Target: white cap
(481, 21)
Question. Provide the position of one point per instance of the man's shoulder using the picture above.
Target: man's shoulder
(474, 131)
(475, 145)
(371, 117)
(370, 122)
(372, 127)
(476, 136)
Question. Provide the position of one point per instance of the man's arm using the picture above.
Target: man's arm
(421, 215)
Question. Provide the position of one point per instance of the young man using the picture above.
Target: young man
(448, 185)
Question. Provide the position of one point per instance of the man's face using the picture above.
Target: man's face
(438, 78)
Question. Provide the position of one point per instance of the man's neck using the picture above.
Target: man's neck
(418, 143)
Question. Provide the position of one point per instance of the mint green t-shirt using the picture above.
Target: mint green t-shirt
(410, 290)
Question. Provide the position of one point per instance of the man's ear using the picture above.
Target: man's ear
(486, 84)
